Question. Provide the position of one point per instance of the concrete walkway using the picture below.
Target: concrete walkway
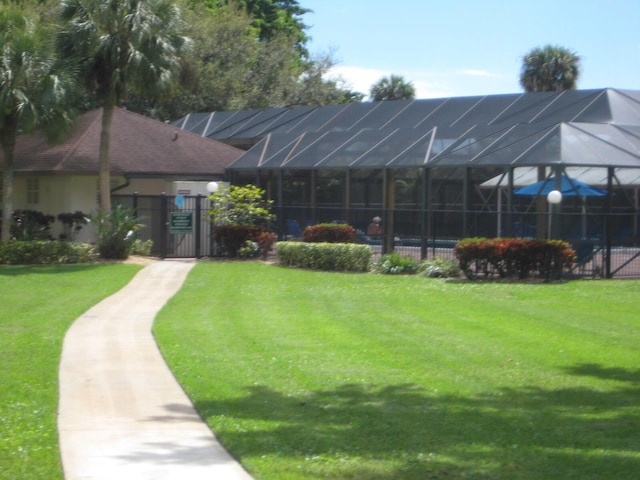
(122, 415)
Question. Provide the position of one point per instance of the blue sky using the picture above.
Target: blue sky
(474, 47)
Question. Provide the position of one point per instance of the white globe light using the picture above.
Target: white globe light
(554, 197)
(212, 187)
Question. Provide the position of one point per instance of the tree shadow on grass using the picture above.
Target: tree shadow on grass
(528, 433)
(605, 373)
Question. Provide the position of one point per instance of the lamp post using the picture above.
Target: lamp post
(212, 187)
(554, 197)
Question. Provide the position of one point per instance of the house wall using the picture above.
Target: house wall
(143, 186)
(70, 193)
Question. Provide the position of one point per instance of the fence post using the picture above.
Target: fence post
(163, 225)
(198, 226)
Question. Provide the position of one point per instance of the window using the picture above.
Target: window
(33, 191)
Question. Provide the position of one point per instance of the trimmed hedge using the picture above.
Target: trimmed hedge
(343, 257)
(329, 233)
(43, 252)
(513, 257)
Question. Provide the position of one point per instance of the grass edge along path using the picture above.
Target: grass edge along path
(39, 303)
(306, 375)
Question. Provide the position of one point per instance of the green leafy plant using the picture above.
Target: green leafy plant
(240, 205)
(141, 247)
(116, 231)
(31, 225)
(239, 214)
(249, 250)
(441, 268)
(395, 264)
(229, 239)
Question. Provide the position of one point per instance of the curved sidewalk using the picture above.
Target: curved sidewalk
(122, 415)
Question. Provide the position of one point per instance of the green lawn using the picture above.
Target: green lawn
(308, 375)
(38, 304)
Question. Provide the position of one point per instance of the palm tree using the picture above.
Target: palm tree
(550, 69)
(121, 44)
(393, 87)
(32, 95)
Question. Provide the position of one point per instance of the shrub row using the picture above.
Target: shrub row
(343, 257)
(329, 233)
(509, 257)
(40, 252)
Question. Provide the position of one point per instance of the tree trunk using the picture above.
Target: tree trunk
(105, 164)
(8, 141)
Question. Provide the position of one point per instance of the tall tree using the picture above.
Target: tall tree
(550, 68)
(393, 87)
(121, 44)
(32, 94)
(229, 69)
(271, 18)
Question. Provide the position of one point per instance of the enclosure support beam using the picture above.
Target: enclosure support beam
(608, 222)
(313, 196)
(347, 196)
(424, 218)
(389, 200)
(510, 203)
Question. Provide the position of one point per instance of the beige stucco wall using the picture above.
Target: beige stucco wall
(71, 193)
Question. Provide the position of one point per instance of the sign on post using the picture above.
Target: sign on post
(181, 222)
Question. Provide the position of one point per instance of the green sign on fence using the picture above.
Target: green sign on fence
(181, 222)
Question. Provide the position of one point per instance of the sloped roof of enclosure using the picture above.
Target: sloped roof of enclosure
(579, 128)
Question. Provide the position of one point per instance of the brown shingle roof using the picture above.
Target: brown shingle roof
(139, 146)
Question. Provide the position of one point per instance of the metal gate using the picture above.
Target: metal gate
(178, 225)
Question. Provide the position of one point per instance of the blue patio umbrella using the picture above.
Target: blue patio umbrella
(568, 187)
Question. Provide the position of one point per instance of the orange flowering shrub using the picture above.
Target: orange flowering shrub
(513, 257)
(329, 233)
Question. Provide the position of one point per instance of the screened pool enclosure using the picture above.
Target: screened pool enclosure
(437, 170)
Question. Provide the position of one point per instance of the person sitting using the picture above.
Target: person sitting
(374, 230)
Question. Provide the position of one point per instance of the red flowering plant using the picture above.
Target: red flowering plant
(509, 257)
(329, 233)
(265, 241)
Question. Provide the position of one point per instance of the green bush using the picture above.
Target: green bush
(229, 239)
(116, 232)
(31, 225)
(329, 233)
(250, 249)
(141, 247)
(44, 252)
(343, 257)
(441, 268)
(395, 264)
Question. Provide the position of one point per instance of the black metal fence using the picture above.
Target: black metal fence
(607, 246)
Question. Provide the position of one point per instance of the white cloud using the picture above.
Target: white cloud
(428, 84)
(478, 73)
(361, 79)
